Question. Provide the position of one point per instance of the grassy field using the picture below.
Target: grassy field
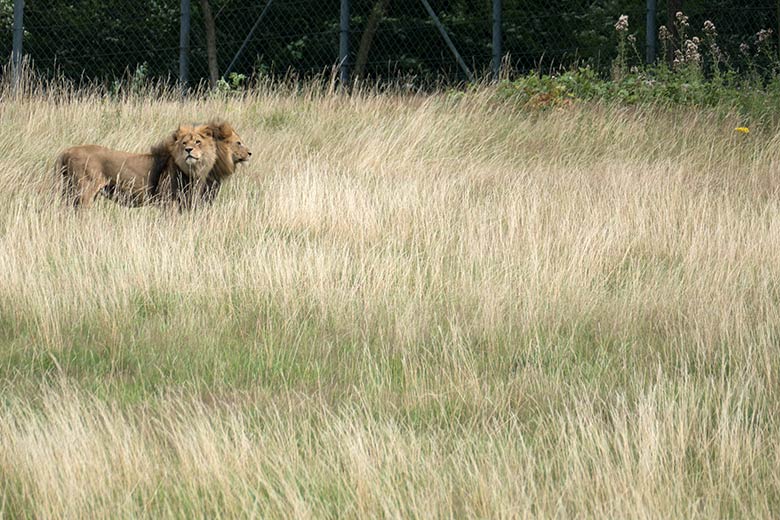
(403, 306)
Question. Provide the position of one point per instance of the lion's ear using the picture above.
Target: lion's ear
(178, 133)
(170, 141)
(222, 129)
(206, 130)
(226, 130)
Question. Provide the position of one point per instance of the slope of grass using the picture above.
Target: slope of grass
(404, 306)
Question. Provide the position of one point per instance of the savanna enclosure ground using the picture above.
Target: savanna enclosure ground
(402, 306)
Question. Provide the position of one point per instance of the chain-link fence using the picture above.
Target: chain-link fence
(103, 40)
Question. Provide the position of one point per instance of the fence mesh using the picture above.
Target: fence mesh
(103, 40)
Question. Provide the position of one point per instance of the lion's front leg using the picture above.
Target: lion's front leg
(180, 190)
(187, 191)
(210, 190)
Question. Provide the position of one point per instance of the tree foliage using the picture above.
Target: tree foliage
(104, 39)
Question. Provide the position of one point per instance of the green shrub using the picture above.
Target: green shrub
(699, 75)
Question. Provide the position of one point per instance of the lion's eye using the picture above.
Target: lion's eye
(239, 143)
(197, 142)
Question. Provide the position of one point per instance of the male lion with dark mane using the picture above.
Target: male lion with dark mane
(182, 163)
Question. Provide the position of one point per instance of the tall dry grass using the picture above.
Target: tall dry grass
(404, 306)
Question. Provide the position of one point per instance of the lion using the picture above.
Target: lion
(183, 160)
(230, 152)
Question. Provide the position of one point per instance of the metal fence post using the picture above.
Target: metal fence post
(184, 44)
(344, 42)
(497, 38)
(16, 54)
(650, 38)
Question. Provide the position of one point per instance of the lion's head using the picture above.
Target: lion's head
(230, 150)
(193, 149)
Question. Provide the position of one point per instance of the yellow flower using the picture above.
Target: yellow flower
(742, 129)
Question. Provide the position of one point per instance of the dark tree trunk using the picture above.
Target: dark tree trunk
(211, 42)
(367, 38)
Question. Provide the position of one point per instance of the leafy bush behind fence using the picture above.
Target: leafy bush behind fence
(105, 39)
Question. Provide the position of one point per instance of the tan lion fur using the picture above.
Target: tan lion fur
(230, 152)
(185, 158)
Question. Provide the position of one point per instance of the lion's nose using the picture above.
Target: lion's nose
(188, 149)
